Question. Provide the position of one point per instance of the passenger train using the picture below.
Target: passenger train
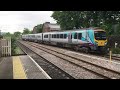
(90, 39)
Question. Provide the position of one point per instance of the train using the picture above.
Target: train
(86, 39)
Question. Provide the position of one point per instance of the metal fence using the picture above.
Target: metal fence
(5, 47)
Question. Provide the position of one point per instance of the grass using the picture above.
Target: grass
(18, 51)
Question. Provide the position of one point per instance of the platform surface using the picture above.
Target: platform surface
(20, 67)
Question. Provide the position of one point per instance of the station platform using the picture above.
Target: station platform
(21, 67)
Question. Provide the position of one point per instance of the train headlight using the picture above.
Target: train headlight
(105, 43)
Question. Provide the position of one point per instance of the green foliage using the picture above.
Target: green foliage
(116, 50)
(68, 19)
(1, 36)
(17, 34)
(26, 31)
(18, 51)
(7, 34)
(38, 28)
(85, 19)
(117, 30)
(13, 43)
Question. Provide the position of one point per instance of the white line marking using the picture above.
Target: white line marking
(2, 60)
(47, 76)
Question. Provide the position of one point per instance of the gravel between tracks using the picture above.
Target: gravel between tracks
(90, 58)
(76, 72)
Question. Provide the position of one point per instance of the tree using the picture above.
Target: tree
(85, 19)
(38, 28)
(26, 31)
(70, 19)
(8, 34)
(17, 34)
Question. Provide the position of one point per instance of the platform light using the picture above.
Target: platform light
(105, 43)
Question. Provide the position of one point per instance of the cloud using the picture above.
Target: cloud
(12, 21)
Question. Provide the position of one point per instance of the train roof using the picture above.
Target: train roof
(91, 28)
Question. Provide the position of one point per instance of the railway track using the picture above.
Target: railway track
(113, 57)
(52, 70)
(94, 68)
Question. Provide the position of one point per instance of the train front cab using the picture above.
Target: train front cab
(100, 41)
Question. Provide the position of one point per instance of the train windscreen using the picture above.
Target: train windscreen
(100, 35)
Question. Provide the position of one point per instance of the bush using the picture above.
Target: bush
(13, 43)
(116, 50)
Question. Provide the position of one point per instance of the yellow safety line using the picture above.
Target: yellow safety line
(18, 70)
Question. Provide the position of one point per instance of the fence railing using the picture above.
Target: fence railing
(5, 47)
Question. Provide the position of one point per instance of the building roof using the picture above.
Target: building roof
(53, 26)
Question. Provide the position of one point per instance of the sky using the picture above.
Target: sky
(13, 21)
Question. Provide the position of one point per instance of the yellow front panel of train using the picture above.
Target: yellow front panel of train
(101, 43)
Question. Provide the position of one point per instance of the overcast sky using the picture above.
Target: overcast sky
(12, 21)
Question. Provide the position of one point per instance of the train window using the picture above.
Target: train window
(39, 36)
(61, 35)
(75, 36)
(52, 36)
(57, 35)
(46, 36)
(79, 35)
(100, 35)
(65, 35)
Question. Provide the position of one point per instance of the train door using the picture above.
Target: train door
(49, 37)
(70, 38)
(42, 37)
(75, 38)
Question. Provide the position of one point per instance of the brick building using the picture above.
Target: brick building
(49, 27)
(34, 30)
